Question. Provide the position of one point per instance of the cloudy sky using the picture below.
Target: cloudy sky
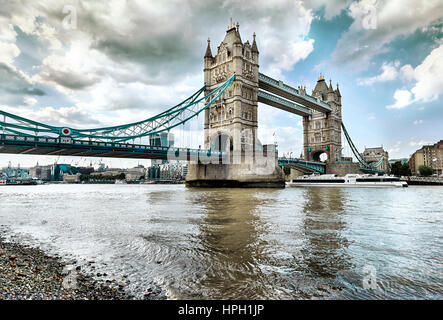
(97, 63)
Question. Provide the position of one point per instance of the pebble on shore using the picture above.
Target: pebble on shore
(29, 274)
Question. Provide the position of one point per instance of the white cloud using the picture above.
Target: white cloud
(48, 34)
(428, 81)
(416, 122)
(389, 72)
(393, 18)
(65, 116)
(429, 77)
(395, 149)
(8, 52)
(70, 70)
(7, 32)
(419, 144)
(332, 7)
(402, 98)
(290, 54)
(30, 101)
(407, 71)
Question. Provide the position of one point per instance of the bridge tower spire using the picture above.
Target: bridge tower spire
(322, 131)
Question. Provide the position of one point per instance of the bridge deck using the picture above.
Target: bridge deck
(303, 165)
(16, 144)
(283, 104)
(278, 87)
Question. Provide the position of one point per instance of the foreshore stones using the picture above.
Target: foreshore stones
(28, 273)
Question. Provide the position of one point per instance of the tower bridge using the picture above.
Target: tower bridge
(232, 154)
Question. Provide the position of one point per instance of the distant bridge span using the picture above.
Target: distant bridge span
(64, 146)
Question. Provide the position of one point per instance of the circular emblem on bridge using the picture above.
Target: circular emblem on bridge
(66, 131)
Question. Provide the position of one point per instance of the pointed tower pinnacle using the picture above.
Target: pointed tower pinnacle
(254, 44)
(338, 91)
(330, 89)
(231, 25)
(208, 53)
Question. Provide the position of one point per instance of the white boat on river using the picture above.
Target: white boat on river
(349, 180)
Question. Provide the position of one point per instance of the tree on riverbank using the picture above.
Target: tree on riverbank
(399, 169)
(99, 177)
(287, 171)
(425, 171)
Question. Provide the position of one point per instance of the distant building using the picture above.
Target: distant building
(429, 155)
(41, 172)
(167, 172)
(86, 170)
(162, 139)
(71, 178)
(58, 171)
(110, 173)
(135, 173)
(374, 155)
(15, 172)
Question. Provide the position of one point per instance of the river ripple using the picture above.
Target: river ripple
(293, 243)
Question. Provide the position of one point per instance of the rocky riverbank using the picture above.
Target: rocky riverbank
(28, 273)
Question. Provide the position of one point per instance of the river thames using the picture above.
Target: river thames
(293, 243)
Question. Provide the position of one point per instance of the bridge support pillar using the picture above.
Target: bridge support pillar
(262, 172)
(295, 173)
(232, 176)
(342, 169)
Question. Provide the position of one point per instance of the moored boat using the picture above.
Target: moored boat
(349, 180)
(17, 182)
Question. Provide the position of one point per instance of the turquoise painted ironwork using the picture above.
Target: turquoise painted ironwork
(313, 166)
(298, 108)
(165, 121)
(284, 87)
(370, 167)
(65, 145)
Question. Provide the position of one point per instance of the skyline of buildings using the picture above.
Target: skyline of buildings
(430, 156)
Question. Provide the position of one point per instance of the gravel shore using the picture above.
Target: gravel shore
(28, 273)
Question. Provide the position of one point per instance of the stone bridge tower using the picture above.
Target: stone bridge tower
(231, 122)
(322, 131)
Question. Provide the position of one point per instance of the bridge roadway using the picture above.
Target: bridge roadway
(281, 89)
(283, 104)
(303, 165)
(65, 146)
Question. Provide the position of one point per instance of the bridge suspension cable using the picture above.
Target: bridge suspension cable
(164, 121)
(357, 154)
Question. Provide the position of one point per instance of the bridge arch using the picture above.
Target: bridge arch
(221, 141)
(320, 155)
